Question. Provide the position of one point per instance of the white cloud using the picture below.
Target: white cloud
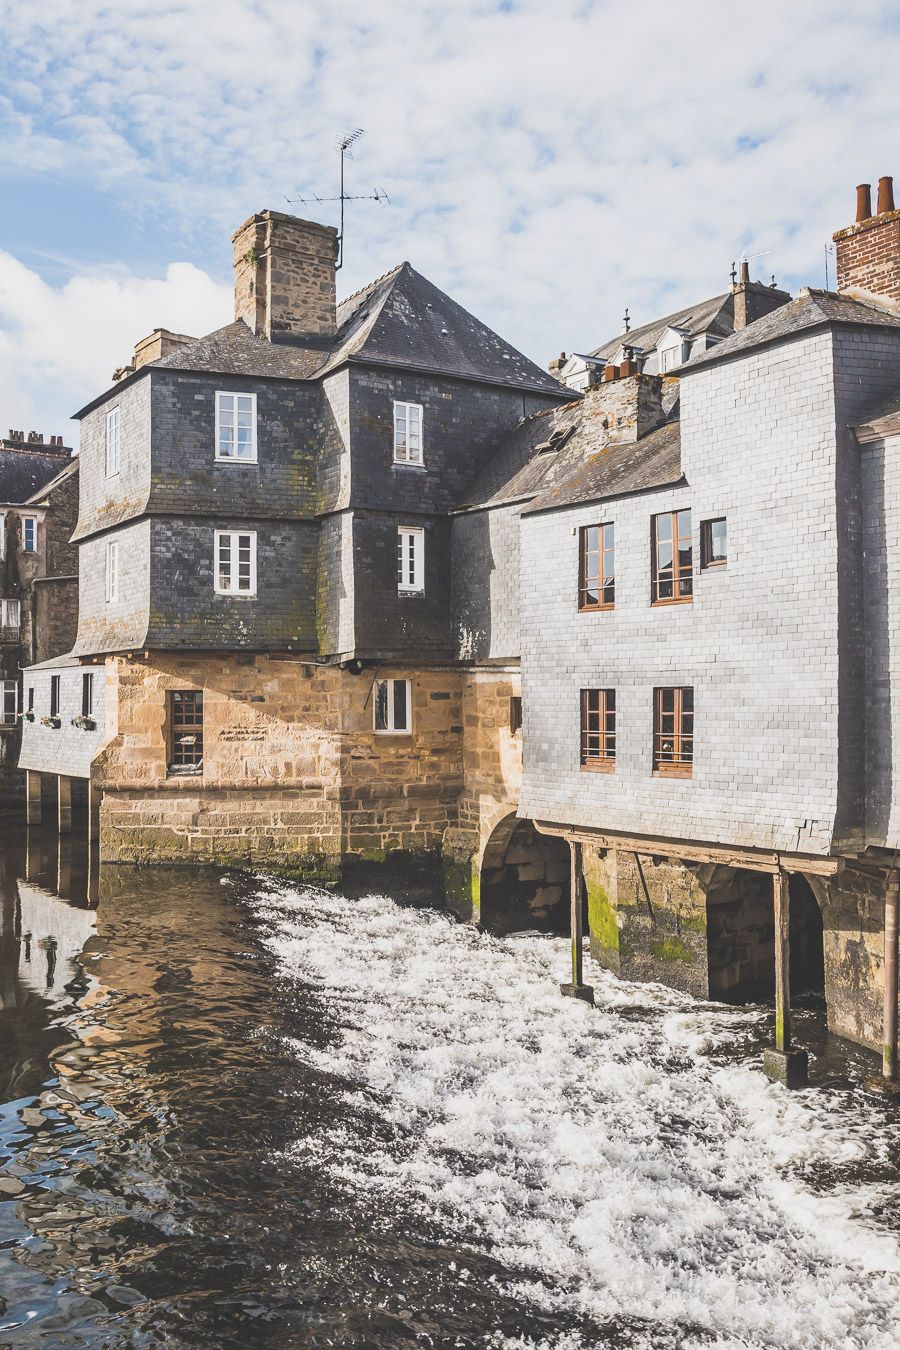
(59, 346)
(547, 164)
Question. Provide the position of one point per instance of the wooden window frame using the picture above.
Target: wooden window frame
(682, 577)
(11, 614)
(391, 729)
(10, 716)
(599, 729)
(87, 693)
(33, 522)
(233, 536)
(410, 548)
(515, 714)
(113, 442)
(184, 757)
(232, 397)
(604, 579)
(681, 764)
(707, 562)
(55, 695)
(403, 454)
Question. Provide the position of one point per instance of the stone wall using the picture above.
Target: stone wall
(284, 276)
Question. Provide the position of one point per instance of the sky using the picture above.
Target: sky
(547, 164)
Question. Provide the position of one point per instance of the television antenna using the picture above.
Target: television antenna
(344, 146)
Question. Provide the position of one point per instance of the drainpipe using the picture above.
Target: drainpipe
(577, 989)
(784, 1064)
(891, 900)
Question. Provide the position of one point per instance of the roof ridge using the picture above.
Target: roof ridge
(370, 285)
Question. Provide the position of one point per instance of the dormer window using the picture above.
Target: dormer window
(670, 358)
(408, 433)
(236, 428)
(672, 349)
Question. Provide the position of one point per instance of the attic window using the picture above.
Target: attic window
(555, 441)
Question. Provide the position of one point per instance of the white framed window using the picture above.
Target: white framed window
(235, 562)
(2, 534)
(29, 534)
(112, 571)
(393, 706)
(112, 442)
(408, 433)
(10, 701)
(410, 558)
(10, 613)
(236, 428)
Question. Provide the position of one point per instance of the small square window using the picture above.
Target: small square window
(714, 542)
(408, 433)
(393, 706)
(236, 428)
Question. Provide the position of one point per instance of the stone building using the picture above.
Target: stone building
(39, 591)
(265, 664)
(705, 568)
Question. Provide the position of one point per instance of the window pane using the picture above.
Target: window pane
(663, 528)
(381, 705)
(401, 722)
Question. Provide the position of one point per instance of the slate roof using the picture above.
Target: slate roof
(25, 472)
(714, 316)
(399, 320)
(585, 467)
(811, 309)
(60, 476)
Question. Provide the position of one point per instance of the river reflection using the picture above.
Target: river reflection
(150, 1100)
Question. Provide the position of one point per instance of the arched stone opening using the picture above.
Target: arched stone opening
(740, 936)
(524, 880)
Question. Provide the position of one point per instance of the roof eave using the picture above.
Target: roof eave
(539, 510)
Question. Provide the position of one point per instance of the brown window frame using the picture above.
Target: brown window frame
(192, 760)
(707, 561)
(605, 760)
(515, 713)
(682, 576)
(681, 762)
(602, 582)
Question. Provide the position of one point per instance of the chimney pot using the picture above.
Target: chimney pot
(885, 195)
(745, 272)
(863, 201)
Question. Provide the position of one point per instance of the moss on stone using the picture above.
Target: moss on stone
(602, 919)
(462, 888)
(319, 869)
(671, 949)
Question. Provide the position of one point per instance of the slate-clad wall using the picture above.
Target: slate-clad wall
(187, 478)
(335, 593)
(333, 462)
(758, 644)
(185, 609)
(485, 574)
(463, 425)
(106, 501)
(121, 624)
(64, 749)
(393, 625)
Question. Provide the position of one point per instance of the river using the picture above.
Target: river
(241, 1113)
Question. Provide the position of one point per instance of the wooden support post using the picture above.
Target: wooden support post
(891, 902)
(577, 989)
(94, 797)
(64, 803)
(32, 797)
(785, 1064)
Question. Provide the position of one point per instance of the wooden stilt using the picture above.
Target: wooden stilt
(94, 797)
(577, 989)
(32, 797)
(64, 803)
(891, 903)
(785, 1064)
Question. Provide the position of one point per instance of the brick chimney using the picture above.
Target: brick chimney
(752, 299)
(629, 405)
(284, 278)
(868, 251)
(159, 343)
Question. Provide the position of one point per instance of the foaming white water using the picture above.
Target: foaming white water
(600, 1153)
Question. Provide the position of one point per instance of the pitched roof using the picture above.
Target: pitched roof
(403, 319)
(713, 316)
(25, 472)
(234, 350)
(564, 455)
(811, 309)
(58, 478)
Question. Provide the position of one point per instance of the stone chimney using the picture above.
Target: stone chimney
(159, 343)
(628, 406)
(752, 299)
(868, 251)
(284, 278)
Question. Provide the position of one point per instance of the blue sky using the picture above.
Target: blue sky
(547, 164)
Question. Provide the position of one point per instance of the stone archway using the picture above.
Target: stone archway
(524, 880)
(807, 969)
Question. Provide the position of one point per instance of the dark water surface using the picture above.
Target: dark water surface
(194, 1109)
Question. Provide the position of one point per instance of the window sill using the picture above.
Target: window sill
(410, 590)
(237, 595)
(601, 766)
(174, 772)
(674, 771)
(383, 732)
(402, 464)
(681, 600)
(594, 609)
(713, 566)
(233, 459)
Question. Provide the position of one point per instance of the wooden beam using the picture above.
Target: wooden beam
(782, 902)
(725, 855)
(891, 906)
(32, 797)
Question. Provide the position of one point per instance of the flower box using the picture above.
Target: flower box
(54, 722)
(85, 723)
